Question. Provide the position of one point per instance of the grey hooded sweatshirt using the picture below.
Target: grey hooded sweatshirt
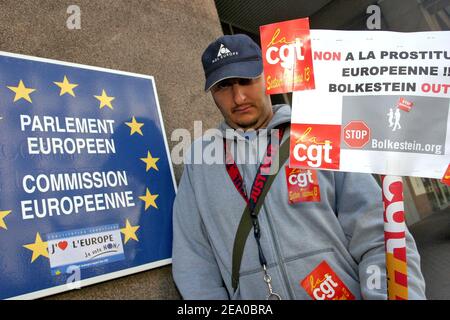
(345, 229)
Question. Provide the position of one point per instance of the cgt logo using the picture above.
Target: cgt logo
(315, 145)
(324, 284)
(288, 52)
(302, 179)
(326, 289)
(303, 185)
(287, 55)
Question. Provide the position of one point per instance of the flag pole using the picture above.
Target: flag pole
(394, 237)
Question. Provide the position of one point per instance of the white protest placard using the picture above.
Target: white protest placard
(381, 104)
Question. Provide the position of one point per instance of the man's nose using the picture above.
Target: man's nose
(239, 95)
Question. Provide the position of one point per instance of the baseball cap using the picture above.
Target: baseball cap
(231, 56)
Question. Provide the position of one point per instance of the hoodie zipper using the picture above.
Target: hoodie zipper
(276, 245)
(278, 249)
(279, 256)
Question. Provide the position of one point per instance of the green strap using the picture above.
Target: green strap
(245, 225)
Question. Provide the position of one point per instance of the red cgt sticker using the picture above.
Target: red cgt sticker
(323, 284)
(315, 146)
(303, 185)
(287, 56)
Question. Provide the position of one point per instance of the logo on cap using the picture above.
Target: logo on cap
(224, 52)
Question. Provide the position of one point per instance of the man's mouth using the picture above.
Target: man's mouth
(242, 108)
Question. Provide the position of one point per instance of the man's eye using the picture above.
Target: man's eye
(224, 84)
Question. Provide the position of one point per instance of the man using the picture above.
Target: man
(339, 238)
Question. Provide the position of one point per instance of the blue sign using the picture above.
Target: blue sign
(86, 182)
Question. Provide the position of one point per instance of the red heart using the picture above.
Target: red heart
(62, 245)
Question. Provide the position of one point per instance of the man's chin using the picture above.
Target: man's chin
(247, 124)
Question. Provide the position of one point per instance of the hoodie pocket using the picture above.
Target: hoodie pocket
(252, 285)
(298, 268)
(236, 294)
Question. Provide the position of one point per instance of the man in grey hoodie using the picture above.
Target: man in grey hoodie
(329, 248)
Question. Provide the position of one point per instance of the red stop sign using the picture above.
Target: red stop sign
(356, 134)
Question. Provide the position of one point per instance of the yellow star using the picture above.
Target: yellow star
(3, 214)
(149, 199)
(129, 232)
(150, 161)
(135, 126)
(21, 91)
(105, 100)
(66, 87)
(39, 248)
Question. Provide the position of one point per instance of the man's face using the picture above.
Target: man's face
(243, 102)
